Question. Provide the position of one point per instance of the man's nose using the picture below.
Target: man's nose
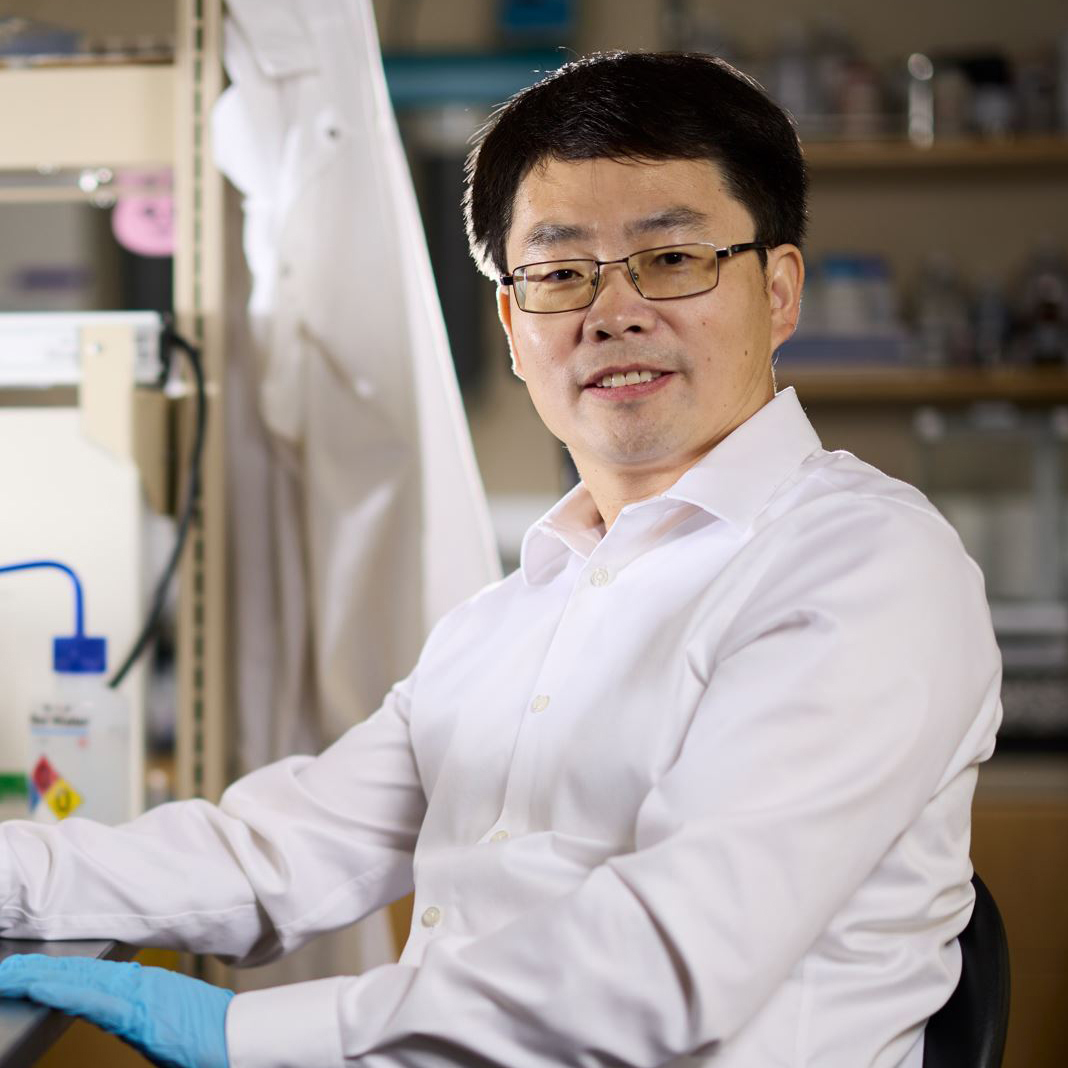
(618, 309)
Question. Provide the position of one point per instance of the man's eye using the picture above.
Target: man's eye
(564, 274)
(672, 259)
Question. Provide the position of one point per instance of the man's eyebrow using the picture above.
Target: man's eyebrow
(544, 235)
(667, 219)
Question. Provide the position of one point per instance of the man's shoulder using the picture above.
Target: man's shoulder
(851, 543)
(842, 513)
(840, 483)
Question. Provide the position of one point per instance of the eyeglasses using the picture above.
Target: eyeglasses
(657, 273)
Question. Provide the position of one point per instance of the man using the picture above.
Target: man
(690, 787)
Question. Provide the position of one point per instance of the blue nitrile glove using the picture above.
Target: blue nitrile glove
(175, 1021)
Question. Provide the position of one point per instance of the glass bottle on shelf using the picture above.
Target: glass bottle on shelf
(943, 332)
(1062, 82)
(992, 322)
(793, 75)
(1041, 335)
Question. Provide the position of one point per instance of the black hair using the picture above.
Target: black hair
(639, 106)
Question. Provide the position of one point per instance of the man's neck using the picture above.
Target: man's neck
(613, 487)
(612, 491)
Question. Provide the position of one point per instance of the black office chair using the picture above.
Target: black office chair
(969, 1030)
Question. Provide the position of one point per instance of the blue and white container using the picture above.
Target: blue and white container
(79, 741)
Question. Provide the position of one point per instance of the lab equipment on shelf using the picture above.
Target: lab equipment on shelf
(86, 462)
(79, 736)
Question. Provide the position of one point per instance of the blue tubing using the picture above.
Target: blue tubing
(79, 614)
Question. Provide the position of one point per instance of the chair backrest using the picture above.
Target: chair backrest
(969, 1030)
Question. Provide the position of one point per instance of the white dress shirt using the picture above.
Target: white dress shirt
(695, 791)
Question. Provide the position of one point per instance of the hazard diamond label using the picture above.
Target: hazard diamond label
(44, 774)
(62, 798)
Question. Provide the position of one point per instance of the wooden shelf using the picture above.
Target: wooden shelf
(921, 385)
(1016, 152)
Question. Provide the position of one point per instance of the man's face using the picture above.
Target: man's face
(712, 351)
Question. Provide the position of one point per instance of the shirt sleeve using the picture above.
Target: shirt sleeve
(848, 690)
(300, 847)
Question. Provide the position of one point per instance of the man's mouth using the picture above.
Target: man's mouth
(615, 379)
(626, 383)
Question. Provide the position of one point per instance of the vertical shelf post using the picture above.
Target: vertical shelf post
(198, 301)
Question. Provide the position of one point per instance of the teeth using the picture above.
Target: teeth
(631, 378)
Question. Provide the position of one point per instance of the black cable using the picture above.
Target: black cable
(170, 340)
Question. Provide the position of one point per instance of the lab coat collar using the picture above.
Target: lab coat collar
(732, 482)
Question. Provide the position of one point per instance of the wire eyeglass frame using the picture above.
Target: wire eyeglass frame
(724, 252)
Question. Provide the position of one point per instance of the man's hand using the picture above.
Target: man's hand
(175, 1021)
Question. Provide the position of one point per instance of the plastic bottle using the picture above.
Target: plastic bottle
(880, 297)
(80, 740)
(80, 736)
(843, 296)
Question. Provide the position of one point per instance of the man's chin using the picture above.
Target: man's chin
(638, 457)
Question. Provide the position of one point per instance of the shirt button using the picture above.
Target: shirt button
(600, 577)
(540, 703)
(431, 917)
(498, 836)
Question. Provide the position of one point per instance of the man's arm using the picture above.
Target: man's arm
(855, 688)
(300, 847)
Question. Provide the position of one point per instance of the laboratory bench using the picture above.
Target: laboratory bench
(28, 1030)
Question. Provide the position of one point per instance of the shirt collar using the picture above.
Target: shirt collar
(741, 474)
(733, 482)
(573, 523)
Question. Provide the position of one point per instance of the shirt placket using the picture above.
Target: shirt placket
(547, 699)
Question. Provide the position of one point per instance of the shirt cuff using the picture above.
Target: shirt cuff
(296, 1026)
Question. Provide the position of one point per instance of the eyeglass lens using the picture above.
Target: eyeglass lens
(658, 274)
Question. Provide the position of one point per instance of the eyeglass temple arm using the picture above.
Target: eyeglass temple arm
(745, 246)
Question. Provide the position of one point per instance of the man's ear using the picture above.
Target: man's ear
(504, 313)
(785, 280)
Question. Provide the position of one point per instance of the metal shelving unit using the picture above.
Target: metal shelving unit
(110, 114)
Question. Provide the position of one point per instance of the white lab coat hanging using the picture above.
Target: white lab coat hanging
(358, 516)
